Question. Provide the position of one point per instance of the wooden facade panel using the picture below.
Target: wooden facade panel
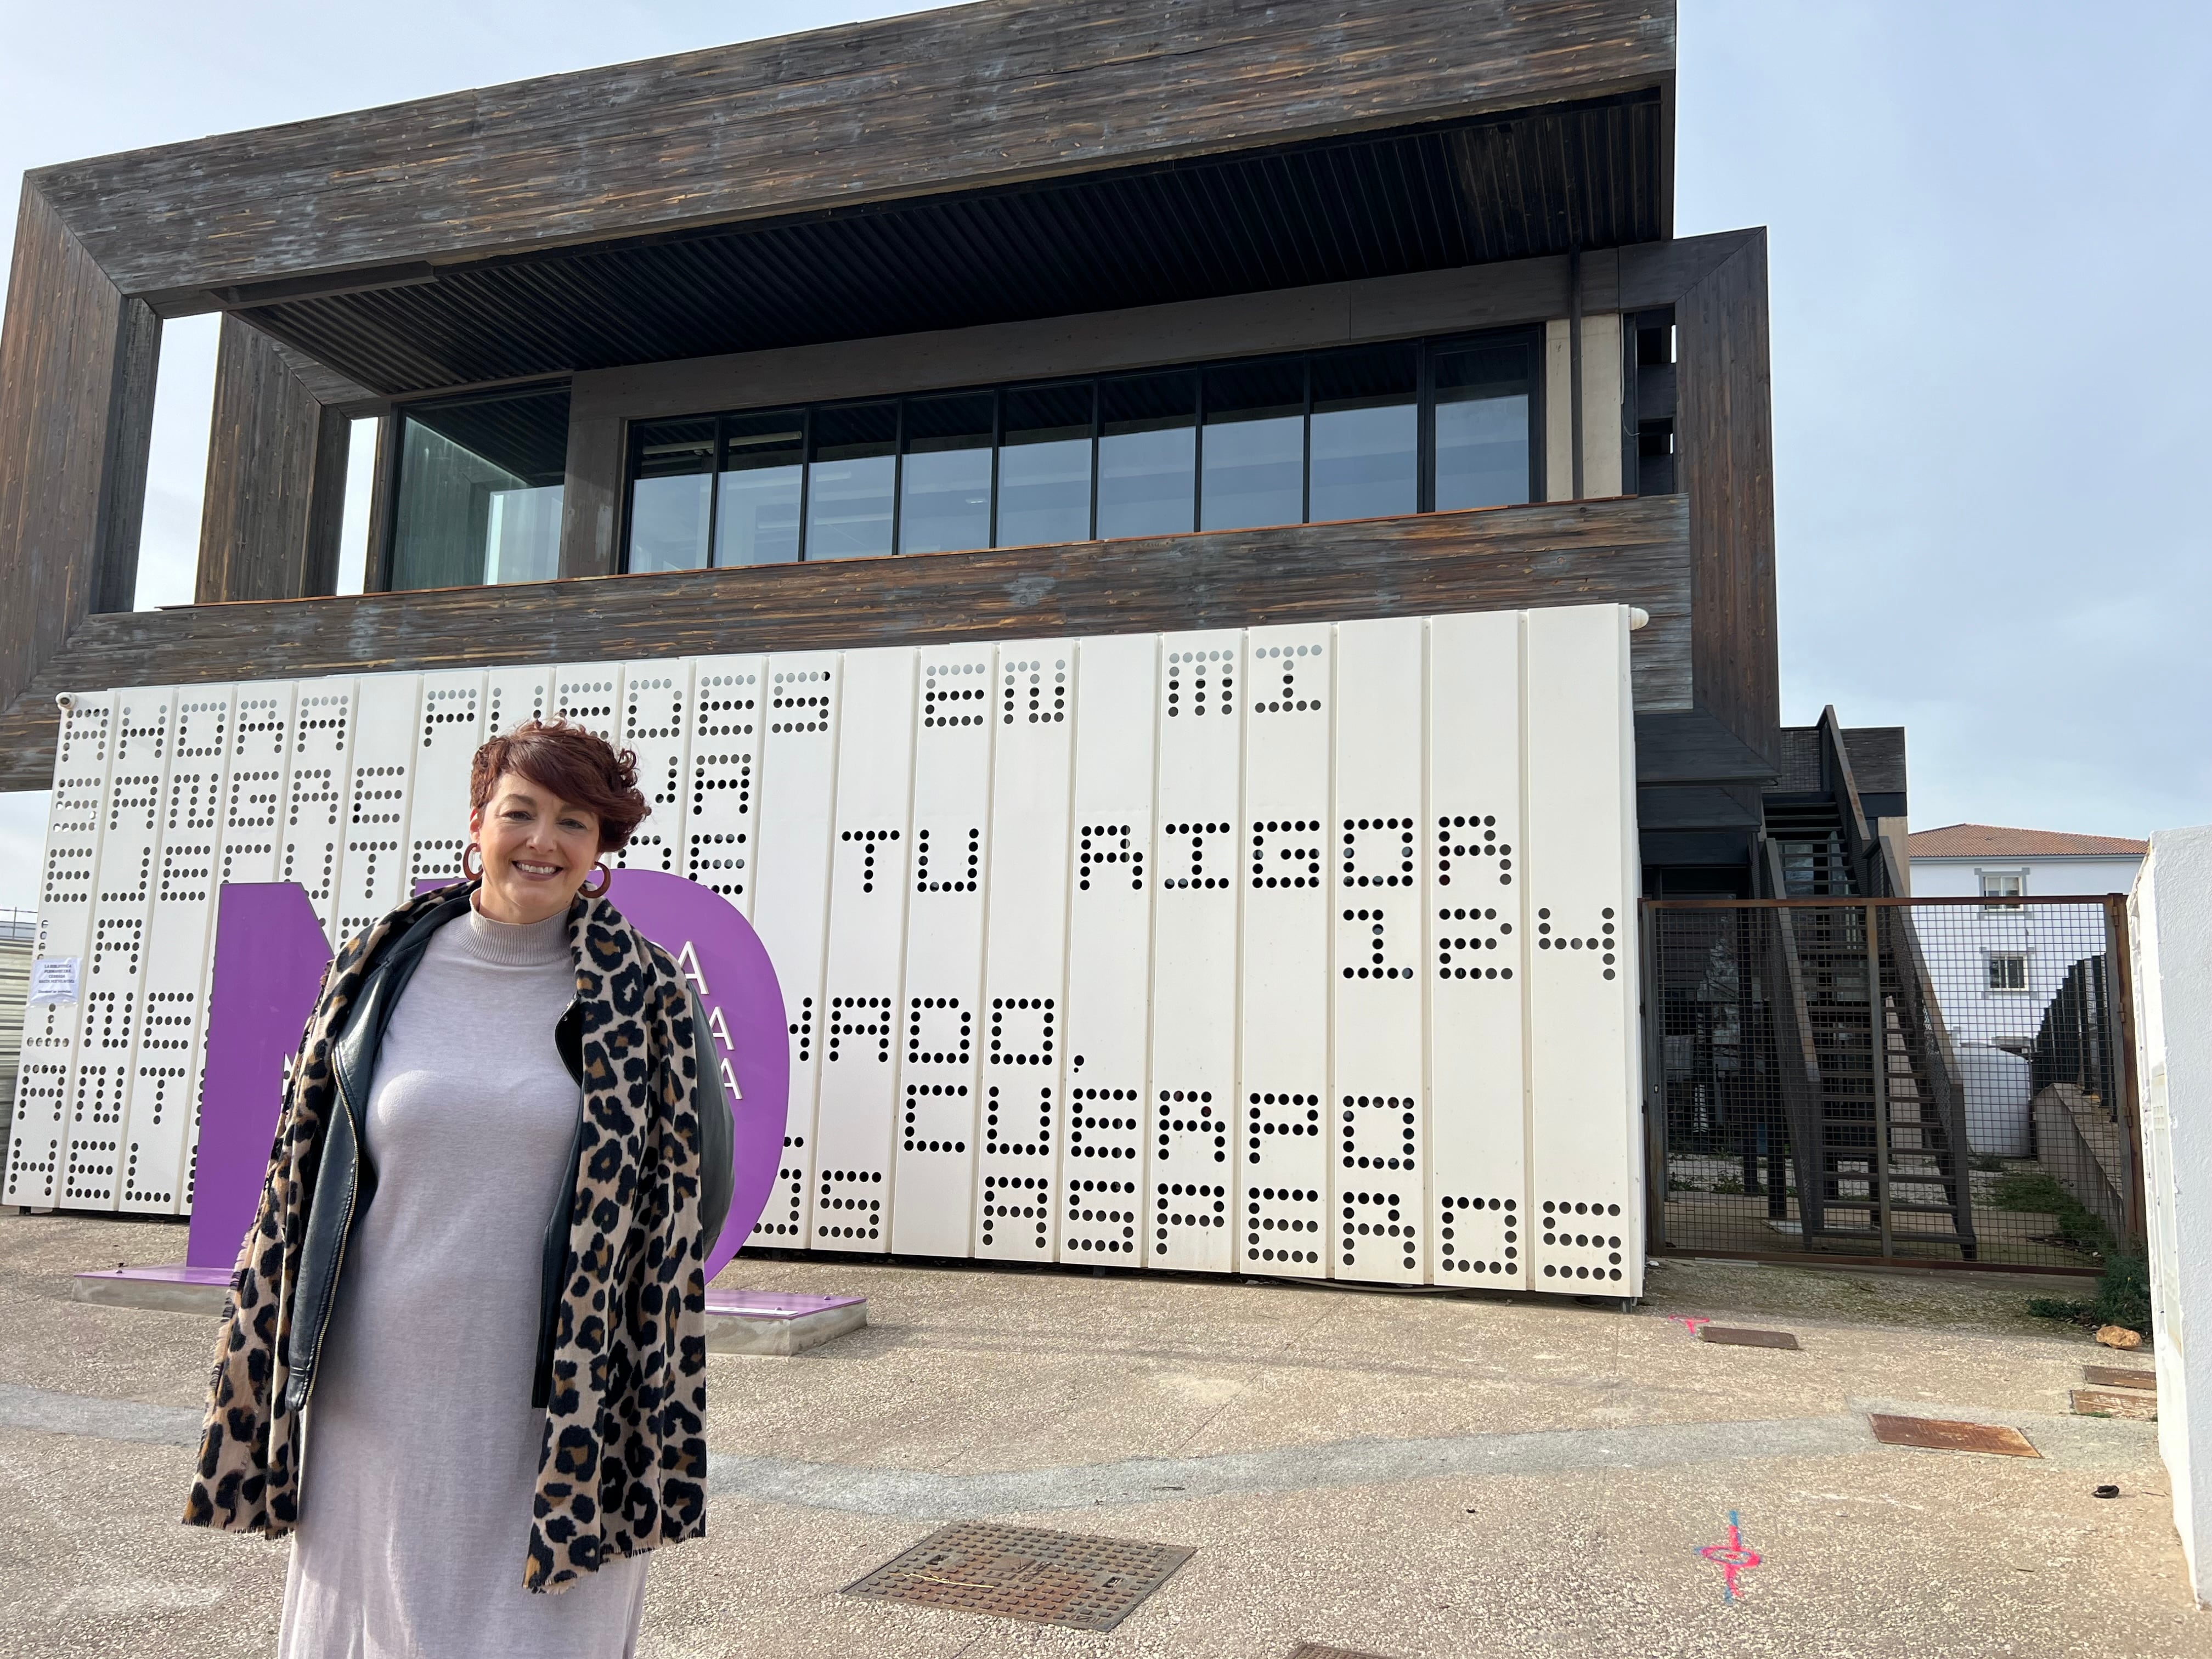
(1725, 445)
(77, 365)
(953, 100)
(276, 478)
(1627, 551)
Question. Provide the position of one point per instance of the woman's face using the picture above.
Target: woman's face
(538, 850)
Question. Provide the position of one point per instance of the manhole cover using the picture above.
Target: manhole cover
(1942, 1436)
(1022, 1572)
(1315, 1651)
(2119, 1377)
(1736, 1336)
(2115, 1402)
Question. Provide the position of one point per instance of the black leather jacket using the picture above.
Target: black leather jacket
(345, 1180)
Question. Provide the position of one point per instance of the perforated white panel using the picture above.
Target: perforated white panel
(656, 725)
(1110, 949)
(1023, 1020)
(862, 1031)
(114, 979)
(1377, 1091)
(1283, 1130)
(1191, 1100)
(373, 865)
(797, 719)
(933, 1179)
(723, 779)
(1582, 1057)
(159, 1114)
(1478, 952)
(67, 881)
(1285, 951)
(312, 838)
(449, 728)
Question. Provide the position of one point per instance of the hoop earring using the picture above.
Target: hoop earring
(467, 874)
(607, 880)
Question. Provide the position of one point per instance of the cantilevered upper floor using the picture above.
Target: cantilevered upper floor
(1003, 320)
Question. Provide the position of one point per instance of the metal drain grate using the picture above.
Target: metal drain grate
(1024, 1573)
(1736, 1336)
(2115, 1402)
(1939, 1435)
(2119, 1377)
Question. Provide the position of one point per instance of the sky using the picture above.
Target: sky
(1991, 369)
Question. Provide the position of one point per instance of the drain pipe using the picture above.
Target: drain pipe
(1575, 359)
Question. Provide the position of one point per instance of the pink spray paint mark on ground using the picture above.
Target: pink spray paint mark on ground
(1732, 1558)
(1688, 1321)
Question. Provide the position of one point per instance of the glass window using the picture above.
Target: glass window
(756, 519)
(480, 490)
(1254, 454)
(849, 481)
(945, 485)
(1366, 435)
(1147, 455)
(2008, 970)
(1044, 466)
(1482, 407)
(671, 495)
(2003, 885)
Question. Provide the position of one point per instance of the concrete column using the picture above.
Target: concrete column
(1601, 393)
(2170, 918)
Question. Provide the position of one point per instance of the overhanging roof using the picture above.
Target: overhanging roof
(1533, 182)
(1002, 160)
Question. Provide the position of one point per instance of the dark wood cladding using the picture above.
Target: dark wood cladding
(1725, 446)
(276, 478)
(77, 363)
(1625, 551)
(955, 99)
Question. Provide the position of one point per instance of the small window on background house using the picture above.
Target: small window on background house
(2003, 885)
(2008, 970)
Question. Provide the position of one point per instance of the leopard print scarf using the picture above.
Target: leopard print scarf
(623, 1465)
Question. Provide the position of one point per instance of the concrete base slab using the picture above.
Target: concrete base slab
(176, 1289)
(770, 1322)
(738, 1321)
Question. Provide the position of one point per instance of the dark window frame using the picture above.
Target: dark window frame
(1428, 346)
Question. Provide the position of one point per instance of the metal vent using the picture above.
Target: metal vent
(1939, 1435)
(1024, 1573)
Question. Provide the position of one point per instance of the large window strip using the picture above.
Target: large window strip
(1366, 432)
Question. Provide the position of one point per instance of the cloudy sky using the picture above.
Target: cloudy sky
(1989, 374)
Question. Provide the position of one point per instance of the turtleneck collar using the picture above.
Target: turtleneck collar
(515, 944)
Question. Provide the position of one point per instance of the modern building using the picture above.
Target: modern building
(1090, 318)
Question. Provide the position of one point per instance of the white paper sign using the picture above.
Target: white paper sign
(53, 979)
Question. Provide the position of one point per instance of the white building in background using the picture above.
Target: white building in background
(1998, 968)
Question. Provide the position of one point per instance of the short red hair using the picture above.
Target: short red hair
(580, 766)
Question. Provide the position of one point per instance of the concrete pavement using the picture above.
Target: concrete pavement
(1407, 1474)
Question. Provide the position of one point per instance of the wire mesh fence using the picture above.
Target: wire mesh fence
(1930, 1080)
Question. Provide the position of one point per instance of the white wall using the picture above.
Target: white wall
(2052, 938)
(2172, 914)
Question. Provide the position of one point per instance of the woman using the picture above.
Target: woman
(463, 1353)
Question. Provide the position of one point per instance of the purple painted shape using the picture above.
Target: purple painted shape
(730, 968)
(268, 956)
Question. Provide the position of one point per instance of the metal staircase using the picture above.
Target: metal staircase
(1870, 1088)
